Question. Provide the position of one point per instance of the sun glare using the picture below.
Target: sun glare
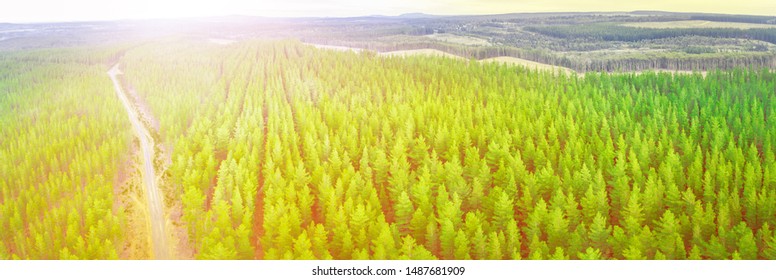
(272, 8)
(81, 10)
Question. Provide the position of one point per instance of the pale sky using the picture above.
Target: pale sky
(82, 10)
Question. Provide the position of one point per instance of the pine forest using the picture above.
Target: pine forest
(275, 149)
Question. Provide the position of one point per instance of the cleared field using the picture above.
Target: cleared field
(500, 59)
(698, 24)
(335, 48)
(430, 52)
(527, 63)
(434, 52)
(221, 41)
(458, 39)
(676, 72)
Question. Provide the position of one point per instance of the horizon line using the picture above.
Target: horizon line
(364, 16)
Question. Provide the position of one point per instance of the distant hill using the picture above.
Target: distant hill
(417, 15)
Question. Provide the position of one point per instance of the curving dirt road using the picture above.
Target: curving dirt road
(156, 213)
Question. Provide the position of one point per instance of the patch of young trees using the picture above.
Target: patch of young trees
(735, 18)
(615, 32)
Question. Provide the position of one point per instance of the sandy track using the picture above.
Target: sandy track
(155, 203)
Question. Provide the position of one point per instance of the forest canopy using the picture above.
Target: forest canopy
(298, 153)
(280, 150)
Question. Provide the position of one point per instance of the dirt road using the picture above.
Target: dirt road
(155, 206)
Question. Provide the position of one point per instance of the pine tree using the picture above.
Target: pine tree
(669, 240)
(537, 249)
(404, 213)
(634, 253)
(557, 229)
(600, 233)
(447, 238)
(633, 214)
(770, 247)
(590, 254)
(695, 253)
(479, 244)
(432, 238)
(503, 211)
(461, 246)
(559, 254)
(320, 240)
(512, 246)
(385, 245)
(494, 247)
(746, 245)
(303, 248)
(418, 225)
